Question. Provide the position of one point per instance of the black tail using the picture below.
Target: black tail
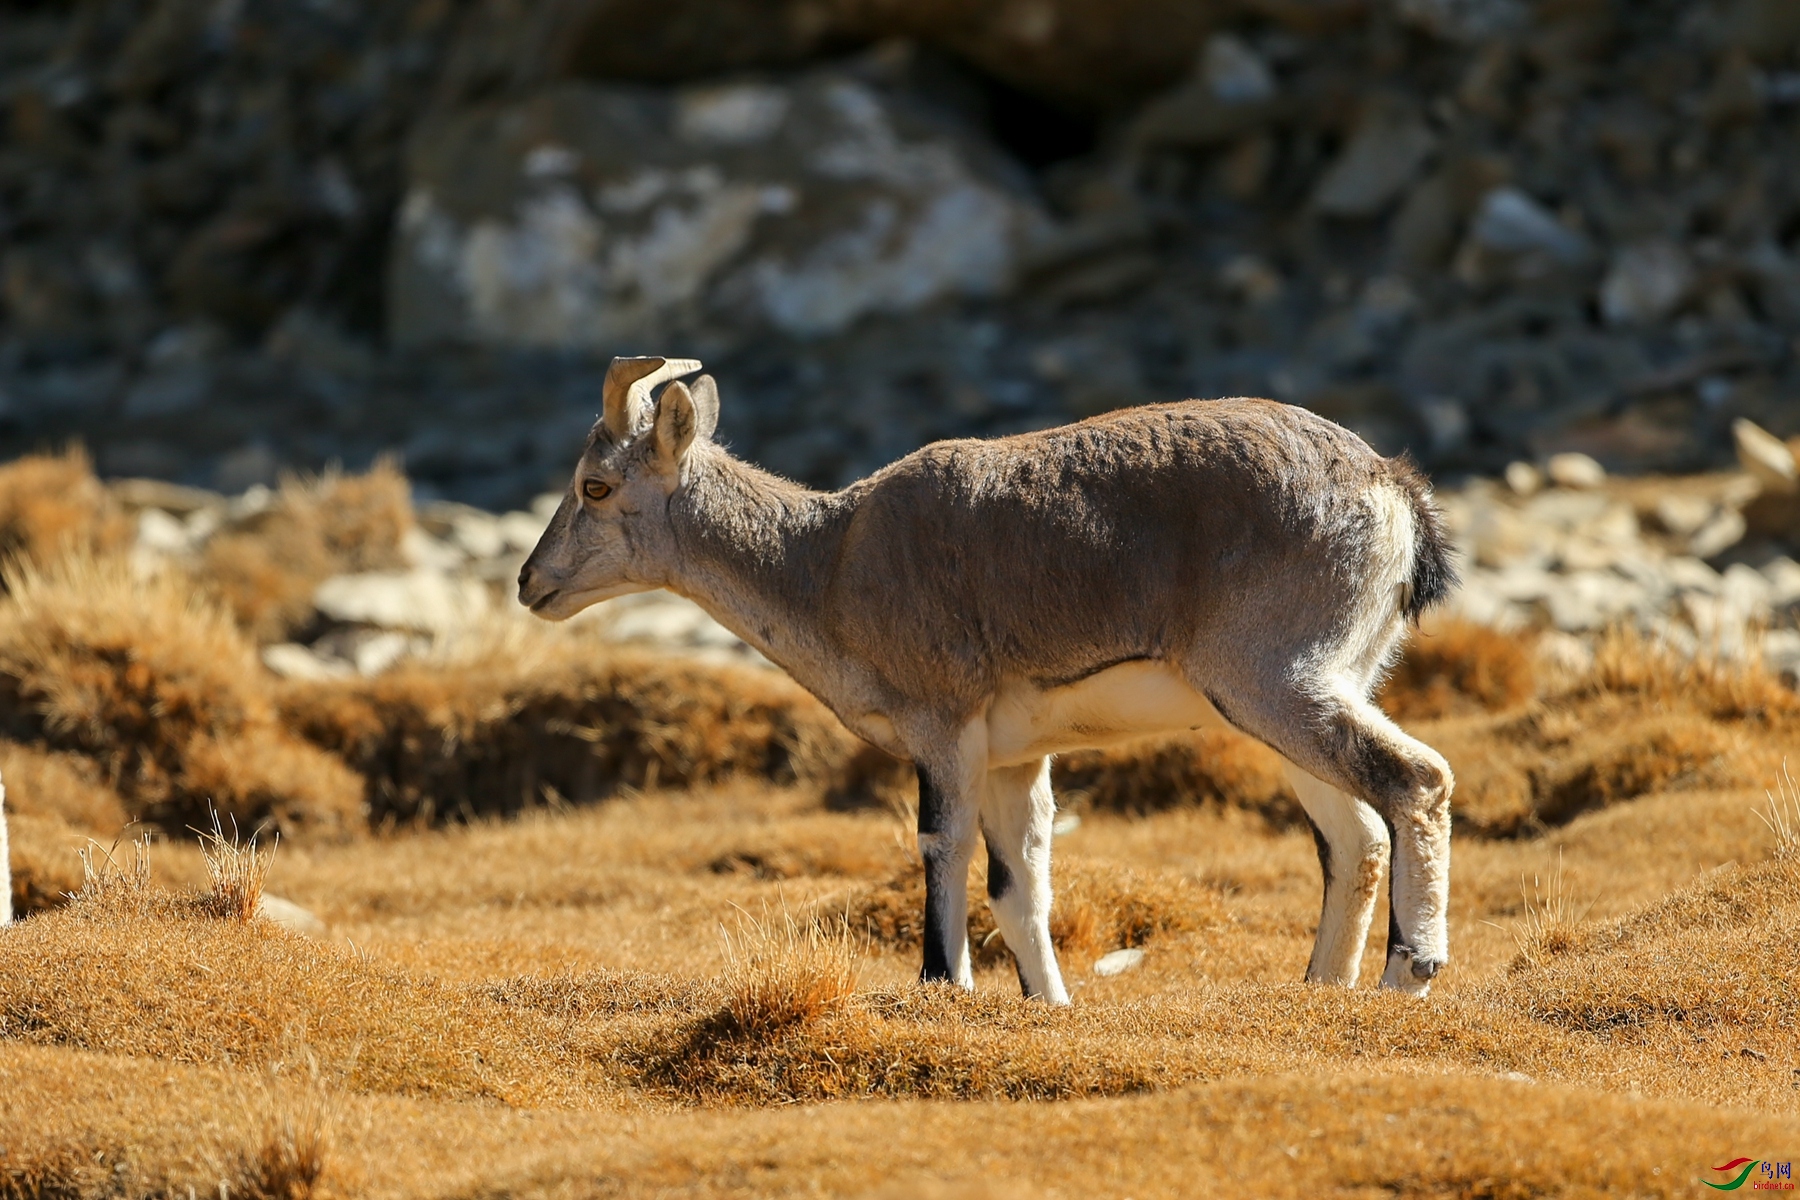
(1434, 566)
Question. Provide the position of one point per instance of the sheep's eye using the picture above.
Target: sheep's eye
(593, 489)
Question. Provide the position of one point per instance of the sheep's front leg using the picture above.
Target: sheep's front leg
(949, 807)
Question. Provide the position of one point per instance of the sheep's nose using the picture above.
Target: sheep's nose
(524, 578)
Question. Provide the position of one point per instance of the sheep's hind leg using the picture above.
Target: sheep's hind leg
(1339, 737)
(1353, 852)
(1409, 784)
(1016, 818)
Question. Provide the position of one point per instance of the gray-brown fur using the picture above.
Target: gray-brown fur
(1265, 556)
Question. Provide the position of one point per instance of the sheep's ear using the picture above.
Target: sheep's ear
(627, 388)
(706, 405)
(677, 423)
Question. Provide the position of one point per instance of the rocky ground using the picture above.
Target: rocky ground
(249, 235)
(1706, 563)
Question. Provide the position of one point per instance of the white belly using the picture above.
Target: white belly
(1026, 722)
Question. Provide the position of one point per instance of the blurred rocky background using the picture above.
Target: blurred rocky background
(242, 235)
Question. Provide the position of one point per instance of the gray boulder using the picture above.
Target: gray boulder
(591, 217)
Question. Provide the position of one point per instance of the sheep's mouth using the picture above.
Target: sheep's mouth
(538, 605)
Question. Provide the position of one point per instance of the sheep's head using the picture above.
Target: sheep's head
(610, 534)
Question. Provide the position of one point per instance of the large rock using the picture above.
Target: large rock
(594, 217)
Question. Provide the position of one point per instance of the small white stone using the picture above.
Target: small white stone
(1065, 824)
(1576, 470)
(289, 915)
(1691, 575)
(1718, 535)
(421, 550)
(479, 536)
(1684, 515)
(1783, 575)
(1746, 589)
(422, 600)
(290, 660)
(1118, 962)
(159, 531)
(1765, 456)
(521, 530)
(1523, 478)
(376, 654)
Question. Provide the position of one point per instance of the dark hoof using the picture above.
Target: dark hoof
(1426, 968)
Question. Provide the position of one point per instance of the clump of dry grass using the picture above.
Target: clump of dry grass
(1097, 907)
(1675, 753)
(52, 503)
(55, 803)
(267, 569)
(60, 1172)
(294, 1159)
(1213, 767)
(451, 739)
(1718, 954)
(147, 973)
(1783, 819)
(1626, 662)
(238, 870)
(1552, 925)
(1456, 667)
(781, 972)
(108, 875)
(159, 689)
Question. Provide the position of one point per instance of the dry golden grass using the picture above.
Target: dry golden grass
(414, 1066)
(141, 972)
(538, 1003)
(781, 973)
(238, 871)
(1098, 907)
(1453, 668)
(501, 733)
(267, 571)
(51, 504)
(160, 691)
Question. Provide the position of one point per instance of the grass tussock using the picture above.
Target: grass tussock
(439, 740)
(1719, 955)
(158, 689)
(55, 804)
(294, 1160)
(1552, 924)
(1783, 820)
(1453, 668)
(109, 873)
(138, 971)
(1097, 908)
(781, 972)
(1627, 662)
(238, 871)
(266, 570)
(1209, 768)
(58, 1172)
(52, 504)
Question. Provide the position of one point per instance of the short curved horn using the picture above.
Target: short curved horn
(627, 387)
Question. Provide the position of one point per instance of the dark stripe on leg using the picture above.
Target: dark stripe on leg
(1000, 879)
(1324, 848)
(1396, 939)
(932, 817)
(939, 943)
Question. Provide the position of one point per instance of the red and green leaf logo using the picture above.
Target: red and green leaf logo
(1748, 1165)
